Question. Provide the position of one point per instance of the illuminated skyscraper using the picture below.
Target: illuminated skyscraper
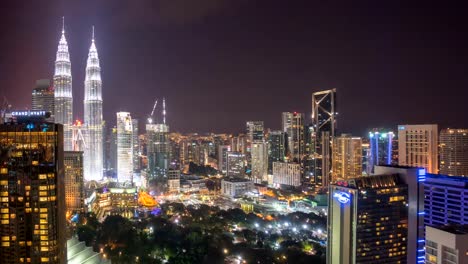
(136, 146)
(295, 134)
(454, 152)
(74, 184)
(347, 158)
(124, 147)
(383, 149)
(222, 157)
(93, 155)
(255, 130)
(43, 98)
(159, 149)
(32, 214)
(259, 162)
(63, 103)
(417, 146)
(324, 123)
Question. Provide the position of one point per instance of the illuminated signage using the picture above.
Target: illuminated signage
(342, 197)
(29, 113)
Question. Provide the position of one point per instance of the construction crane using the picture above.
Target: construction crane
(150, 118)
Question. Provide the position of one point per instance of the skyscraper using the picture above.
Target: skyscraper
(32, 214)
(364, 215)
(286, 121)
(383, 149)
(324, 123)
(222, 157)
(286, 174)
(63, 97)
(43, 98)
(295, 133)
(159, 149)
(259, 162)
(124, 147)
(93, 156)
(347, 158)
(276, 148)
(417, 146)
(454, 152)
(74, 184)
(136, 146)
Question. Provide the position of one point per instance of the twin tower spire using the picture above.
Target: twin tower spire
(93, 123)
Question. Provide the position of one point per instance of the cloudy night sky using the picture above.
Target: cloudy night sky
(220, 63)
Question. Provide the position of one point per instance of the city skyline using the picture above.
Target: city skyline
(297, 55)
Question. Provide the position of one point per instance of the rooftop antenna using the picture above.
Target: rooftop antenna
(93, 34)
(63, 25)
(164, 111)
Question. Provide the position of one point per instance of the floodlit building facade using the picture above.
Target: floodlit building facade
(347, 158)
(454, 152)
(93, 155)
(124, 147)
(288, 174)
(235, 187)
(417, 146)
(259, 153)
(32, 201)
(383, 149)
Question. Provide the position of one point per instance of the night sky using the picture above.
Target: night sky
(220, 63)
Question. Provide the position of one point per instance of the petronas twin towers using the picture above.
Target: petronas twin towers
(93, 123)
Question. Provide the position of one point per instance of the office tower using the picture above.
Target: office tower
(445, 200)
(383, 149)
(173, 180)
(417, 146)
(32, 205)
(347, 157)
(324, 123)
(93, 156)
(446, 244)
(414, 178)
(259, 162)
(159, 150)
(136, 146)
(366, 157)
(276, 148)
(255, 130)
(239, 143)
(222, 157)
(288, 174)
(293, 124)
(63, 96)
(124, 147)
(235, 165)
(454, 152)
(74, 183)
(113, 151)
(286, 121)
(364, 215)
(43, 98)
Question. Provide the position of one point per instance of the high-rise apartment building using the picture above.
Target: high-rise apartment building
(383, 149)
(446, 245)
(43, 98)
(93, 155)
(286, 121)
(63, 96)
(454, 152)
(32, 205)
(276, 148)
(259, 154)
(124, 147)
(417, 146)
(235, 165)
(74, 182)
(324, 123)
(347, 158)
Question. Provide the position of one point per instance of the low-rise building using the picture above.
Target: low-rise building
(447, 244)
(234, 187)
(286, 174)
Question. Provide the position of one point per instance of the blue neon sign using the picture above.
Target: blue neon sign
(342, 197)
